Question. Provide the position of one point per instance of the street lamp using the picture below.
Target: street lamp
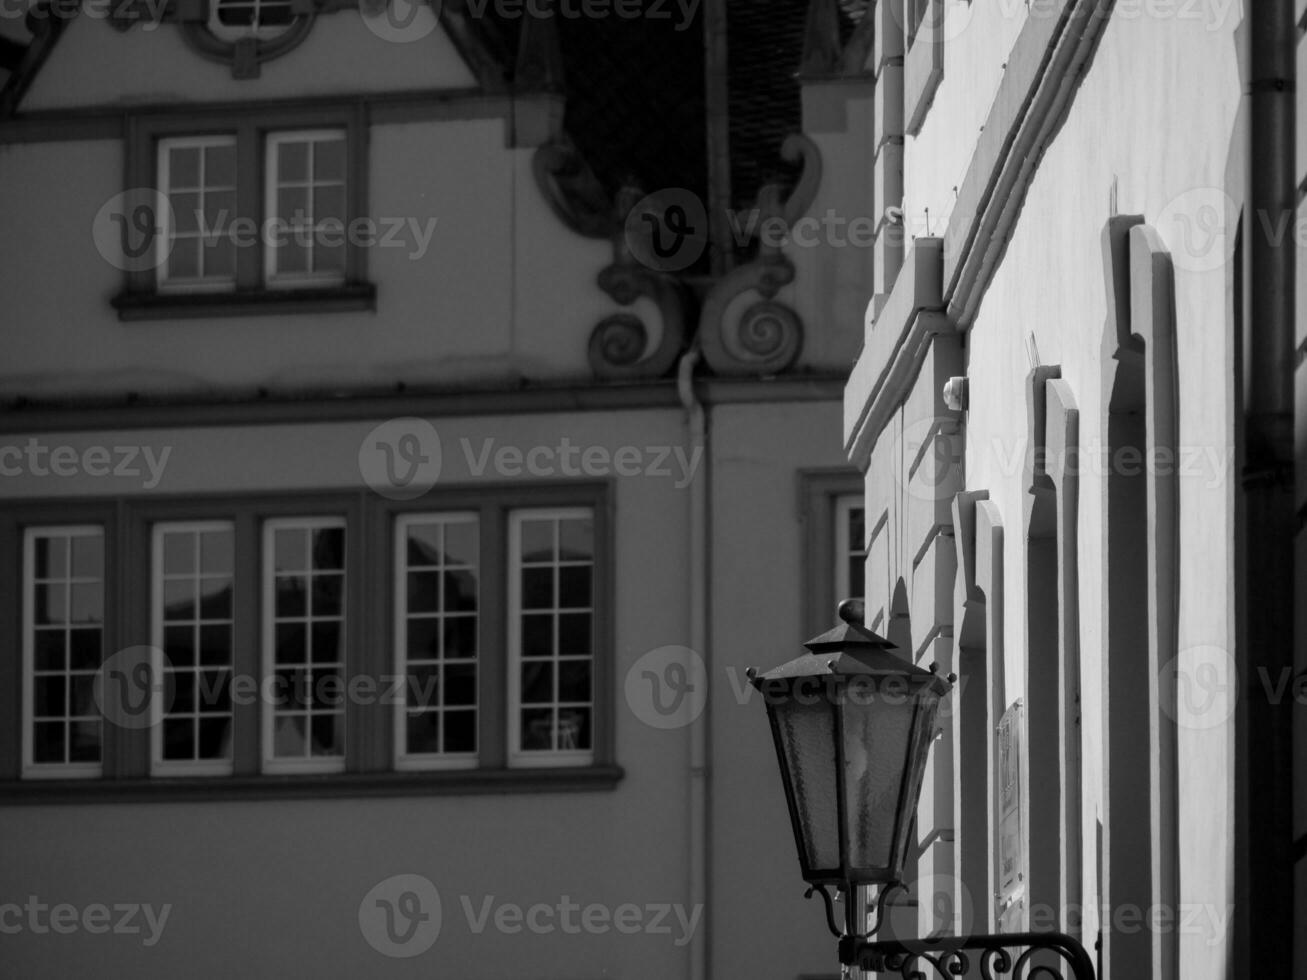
(852, 722)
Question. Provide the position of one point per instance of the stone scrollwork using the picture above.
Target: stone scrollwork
(766, 336)
(619, 344)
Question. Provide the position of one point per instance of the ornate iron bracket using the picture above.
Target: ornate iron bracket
(1017, 955)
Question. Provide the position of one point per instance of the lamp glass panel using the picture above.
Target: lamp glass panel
(876, 738)
(808, 740)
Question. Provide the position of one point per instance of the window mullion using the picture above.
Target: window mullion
(250, 203)
(492, 640)
(247, 716)
(126, 624)
(368, 638)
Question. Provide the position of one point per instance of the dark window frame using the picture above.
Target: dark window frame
(370, 584)
(819, 492)
(141, 299)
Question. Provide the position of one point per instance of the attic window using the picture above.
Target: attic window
(234, 19)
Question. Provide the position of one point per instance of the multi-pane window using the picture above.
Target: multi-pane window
(234, 19)
(437, 598)
(63, 640)
(304, 644)
(850, 547)
(194, 575)
(198, 176)
(551, 636)
(193, 639)
(306, 202)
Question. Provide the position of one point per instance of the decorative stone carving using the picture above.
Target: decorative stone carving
(766, 336)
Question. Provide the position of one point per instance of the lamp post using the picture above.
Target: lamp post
(852, 722)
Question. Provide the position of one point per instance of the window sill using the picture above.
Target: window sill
(467, 782)
(263, 302)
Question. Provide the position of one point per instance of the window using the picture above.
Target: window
(850, 547)
(63, 630)
(923, 59)
(264, 212)
(436, 612)
(193, 634)
(198, 177)
(834, 535)
(235, 19)
(306, 197)
(455, 641)
(303, 644)
(551, 637)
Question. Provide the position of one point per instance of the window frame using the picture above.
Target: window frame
(423, 761)
(31, 769)
(160, 766)
(272, 143)
(141, 297)
(370, 769)
(163, 170)
(518, 757)
(819, 493)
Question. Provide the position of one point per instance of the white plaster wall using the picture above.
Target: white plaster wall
(1155, 115)
(93, 64)
(977, 37)
(503, 289)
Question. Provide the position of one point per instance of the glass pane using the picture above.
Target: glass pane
(875, 754)
(84, 740)
(51, 557)
(215, 644)
(461, 685)
(326, 734)
(51, 604)
(289, 739)
(88, 556)
(328, 593)
(50, 697)
(574, 633)
(186, 213)
(179, 599)
(292, 258)
(424, 591)
(326, 643)
(537, 588)
(808, 741)
(576, 539)
(329, 258)
(184, 259)
(290, 545)
(423, 687)
(292, 643)
(292, 599)
(220, 166)
(461, 637)
(219, 212)
(218, 257)
(215, 598)
(86, 604)
(574, 586)
(48, 649)
(574, 680)
(423, 730)
(460, 591)
(184, 166)
(292, 161)
(537, 540)
(423, 545)
(215, 738)
(179, 645)
(460, 731)
(84, 649)
(214, 691)
(329, 160)
(537, 729)
(461, 544)
(537, 636)
(573, 729)
(538, 682)
(329, 202)
(178, 553)
(48, 741)
(329, 549)
(423, 639)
